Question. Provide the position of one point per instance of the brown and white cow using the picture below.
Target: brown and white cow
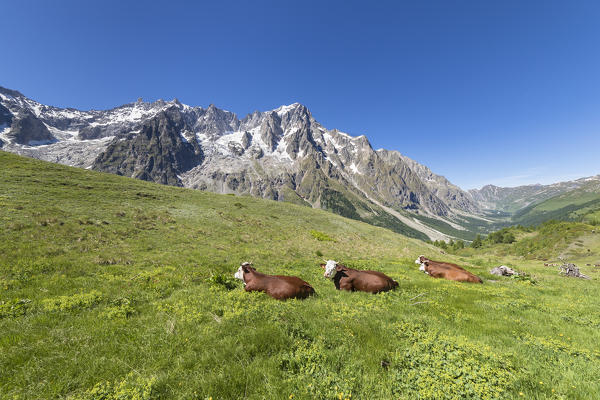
(279, 287)
(440, 269)
(350, 279)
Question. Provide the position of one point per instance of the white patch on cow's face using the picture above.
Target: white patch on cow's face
(240, 274)
(330, 269)
(420, 259)
(422, 268)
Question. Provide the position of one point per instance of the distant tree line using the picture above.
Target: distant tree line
(452, 245)
(504, 235)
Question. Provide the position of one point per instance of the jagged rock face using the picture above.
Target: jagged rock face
(158, 153)
(246, 140)
(451, 195)
(271, 131)
(398, 185)
(102, 131)
(5, 116)
(5, 120)
(28, 130)
(214, 122)
(300, 142)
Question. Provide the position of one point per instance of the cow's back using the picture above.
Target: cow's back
(372, 281)
(466, 276)
(451, 273)
(285, 287)
(447, 265)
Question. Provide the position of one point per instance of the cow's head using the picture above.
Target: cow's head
(423, 261)
(331, 268)
(243, 269)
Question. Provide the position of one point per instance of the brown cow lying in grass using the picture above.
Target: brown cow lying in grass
(279, 287)
(350, 279)
(440, 269)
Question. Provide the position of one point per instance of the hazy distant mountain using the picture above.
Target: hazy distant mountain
(512, 199)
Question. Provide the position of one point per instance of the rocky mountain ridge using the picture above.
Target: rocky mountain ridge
(282, 154)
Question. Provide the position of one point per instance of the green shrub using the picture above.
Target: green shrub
(73, 302)
(119, 309)
(308, 367)
(502, 236)
(161, 280)
(130, 388)
(437, 367)
(477, 243)
(524, 277)
(223, 280)
(320, 236)
(14, 308)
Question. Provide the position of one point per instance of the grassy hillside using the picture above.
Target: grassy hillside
(446, 228)
(349, 205)
(582, 204)
(116, 288)
(551, 240)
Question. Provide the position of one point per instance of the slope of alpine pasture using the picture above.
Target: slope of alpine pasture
(552, 241)
(581, 204)
(112, 287)
(513, 199)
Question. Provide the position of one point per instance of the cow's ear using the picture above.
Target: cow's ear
(246, 268)
(322, 266)
(339, 267)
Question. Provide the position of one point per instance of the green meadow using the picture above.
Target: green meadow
(115, 288)
(582, 204)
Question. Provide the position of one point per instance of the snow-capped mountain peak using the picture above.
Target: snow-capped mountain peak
(282, 154)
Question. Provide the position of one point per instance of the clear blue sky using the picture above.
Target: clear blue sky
(503, 92)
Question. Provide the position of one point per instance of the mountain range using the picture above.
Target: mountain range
(282, 154)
